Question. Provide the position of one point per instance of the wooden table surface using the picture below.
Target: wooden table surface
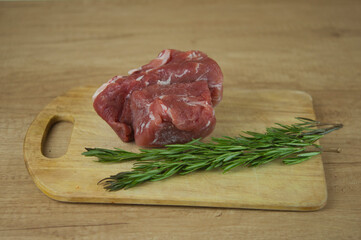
(46, 48)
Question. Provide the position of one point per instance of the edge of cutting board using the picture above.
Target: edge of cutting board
(52, 193)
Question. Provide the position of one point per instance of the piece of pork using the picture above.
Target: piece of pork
(170, 114)
(113, 100)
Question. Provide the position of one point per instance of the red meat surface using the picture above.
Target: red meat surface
(169, 100)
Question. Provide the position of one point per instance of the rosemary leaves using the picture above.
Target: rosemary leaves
(292, 144)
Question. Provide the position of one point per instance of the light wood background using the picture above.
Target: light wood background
(46, 48)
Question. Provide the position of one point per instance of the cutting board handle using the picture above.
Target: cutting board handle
(38, 131)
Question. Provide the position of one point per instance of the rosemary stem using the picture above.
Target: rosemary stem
(292, 144)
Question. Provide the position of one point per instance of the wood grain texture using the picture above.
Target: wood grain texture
(73, 178)
(47, 48)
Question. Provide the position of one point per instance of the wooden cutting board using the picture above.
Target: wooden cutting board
(73, 177)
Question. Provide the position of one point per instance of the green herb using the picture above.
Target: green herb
(291, 143)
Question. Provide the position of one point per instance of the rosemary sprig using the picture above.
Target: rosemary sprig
(291, 143)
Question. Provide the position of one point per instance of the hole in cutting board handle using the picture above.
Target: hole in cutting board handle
(56, 138)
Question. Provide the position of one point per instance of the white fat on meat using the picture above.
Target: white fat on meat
(195, 103)
(199, 103)
(134, 70)
(181, 75)
(194, 55)
(202, 77)
(104, 86)
(164, 56)
(165, 82)
(167, 110)
(142, 127)
(209, 122)
(151, 116)
(128, 95)
(164, 107)
(99, 90)
(147, 125)
(139, 78)
(207, 125)
(197, 67)
(218, 86)
(156, 138)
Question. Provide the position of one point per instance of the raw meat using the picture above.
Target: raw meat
(169, 100)
(172, 114)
